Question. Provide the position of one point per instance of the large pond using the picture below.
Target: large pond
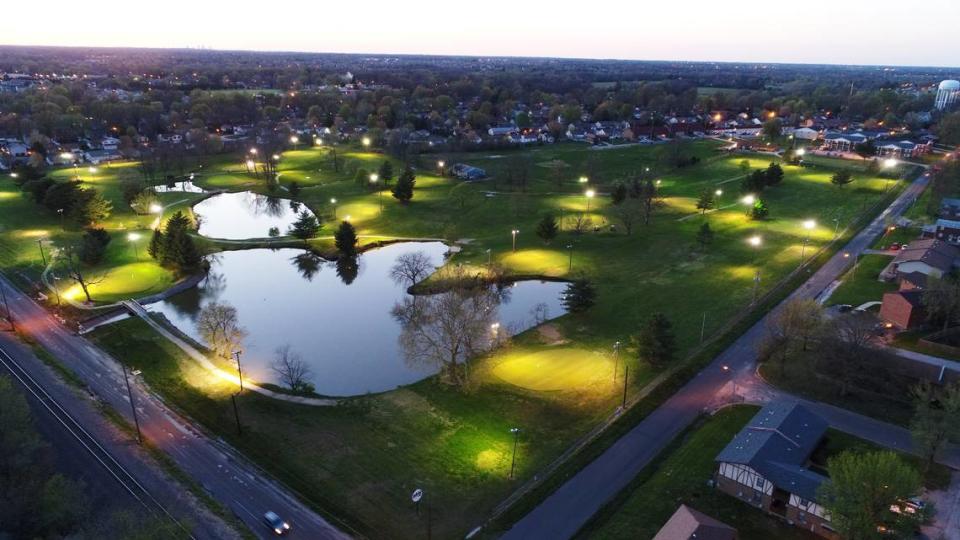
(236, 216)
(339, 320)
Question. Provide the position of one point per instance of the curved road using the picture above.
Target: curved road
(564, 512)
(229, 478)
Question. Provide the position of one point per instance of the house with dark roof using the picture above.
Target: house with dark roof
(689, 524)
(766, 465)
(903, 308)
(947, 230)
(950, 208)
(930, 256)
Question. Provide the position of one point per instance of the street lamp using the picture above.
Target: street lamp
(589, 193)
(755, 240)
(252, 151)
(801, 152)
(728, 371)
(374, 177)
(514, 234)
(334, 203)
(132, 238)
(513, 460)
(889, 163)
(718, 192)
(808, 225)
(440, 165)
(584, 179)
(570, 249)
(133, 406)
(156, 208)
(749, 200)
(294, 140)
(366, 142)
(489, 257)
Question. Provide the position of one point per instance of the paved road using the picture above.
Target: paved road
(563, 513)
(223, 472)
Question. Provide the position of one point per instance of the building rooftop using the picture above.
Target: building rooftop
(689, 524)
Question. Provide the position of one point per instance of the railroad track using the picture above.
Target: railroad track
(99, 453)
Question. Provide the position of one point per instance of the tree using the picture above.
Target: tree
(518, 170)
(579, 296)
(744, 167)
(93, 245)
(403, 190)
(219, 326)
(772, 128)
(143, 201)
(706, 201)
(411, 268)
(447, 330)
(841, 178)
(755, 182)
(941, 302)
(866, 149)
(305, 227)
(89, 207)
(846, 348)
(346, 239)
(581, 223)
(155, 247)
(619, 193)
(760, 211)
(295, 188)
(655, 342)
(934, 420)
(61, 196)
(862, 487)
(72, 263)
(347, 269)
(178, 250)
(362, 177)
(705, 235)
(791, 329)
(774, 174)
(649, 200)
(385, 172)
(629, 214)
(292, 370)
(949, 128)
(547, 228)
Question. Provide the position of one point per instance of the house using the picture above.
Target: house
(807, 134)
(688, 524)
(765, 465)
(843, 142)
(97, 157)
(109, 143)
(947, 230)
(900, 149)
(950, 208)
(501, 131)
(904, 308)
(467, 172)
(929, 256)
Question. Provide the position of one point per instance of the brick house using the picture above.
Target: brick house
(765, 465)
(686, 524)
(904, 308)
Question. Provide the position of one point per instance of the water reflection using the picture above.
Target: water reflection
(337, 316)
(183, 186)
(236, 216)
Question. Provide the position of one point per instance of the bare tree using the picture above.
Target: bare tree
(74, 267)
(792, 326)
(292, 370)
(447, 330)
(219, 326)
(411, 268)
(629, 213)
(581, 223)
(846, 348)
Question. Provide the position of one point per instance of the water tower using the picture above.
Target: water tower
(948, 93)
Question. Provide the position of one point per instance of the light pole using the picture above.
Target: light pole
(62, 226)
(727, 370)
(489, 258)
(589, 194)
(334, 203)
(441, 165)
(236, 354)
(366, 142)
(755, 241)
(808, 225)
(514, 234)
(42, 256)
(718, 193)
(133, 406)
(570, 250)
(626, 375)
(132, 238)
(513, 460)
(374, 178)
(294, 141)
(616, 359)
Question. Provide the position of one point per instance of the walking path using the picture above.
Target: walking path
(136, 309)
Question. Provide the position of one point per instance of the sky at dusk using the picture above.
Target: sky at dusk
(886, 32)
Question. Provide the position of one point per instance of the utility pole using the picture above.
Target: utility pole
(133, 406)
(570, 249)
(616, 360)
(513, 460)
(756, 286)
(703, 326)
(42, 256)
(626, 375)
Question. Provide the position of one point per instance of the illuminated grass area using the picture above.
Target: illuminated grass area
(550, 370)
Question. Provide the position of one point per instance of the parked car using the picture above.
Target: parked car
(843, 308)
(279, 526)
(894, 246)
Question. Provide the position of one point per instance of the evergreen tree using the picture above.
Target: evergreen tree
(754, 182)
(305, 227)
(841, 178)
(705, 235)
(346, 239)
(619, 193)
(403, 190)
(362, 177)
(89, 206)
(386, 172)
(155, 248)
(547, 228)
(655, 342)
(295, 188)
(706, 201)
(178, 249)
(579, 296)
(93, 245)
(774, 174)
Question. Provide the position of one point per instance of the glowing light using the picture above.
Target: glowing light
(253, 151)
(374, 177)
(276, 157)
(319, 142)
(809, 224)
(755, 241)
(333, 201)
(590, 193)
(156, 208)
(250, 164)
(66, 155)
(133, 237)
(749, 200)
(889, 163)
(366, 141)
(440, 164)
(718, 192)
(294, 139)
(801, 152)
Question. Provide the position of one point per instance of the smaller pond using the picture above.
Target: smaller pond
(237, 216)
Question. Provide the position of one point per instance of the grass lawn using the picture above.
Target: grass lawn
(681, 475)
(862, 285)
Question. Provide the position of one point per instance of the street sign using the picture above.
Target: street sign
(417, 495)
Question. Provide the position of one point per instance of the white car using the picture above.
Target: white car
(279, 526)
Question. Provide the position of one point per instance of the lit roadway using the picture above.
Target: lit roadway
(229, 478)
(564, 512)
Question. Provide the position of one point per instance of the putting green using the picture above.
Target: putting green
(559, 369)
